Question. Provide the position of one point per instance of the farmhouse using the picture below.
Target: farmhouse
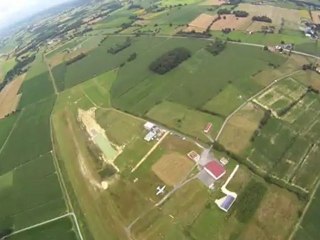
(215, 169)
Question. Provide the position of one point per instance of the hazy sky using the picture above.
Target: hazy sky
(12, 10)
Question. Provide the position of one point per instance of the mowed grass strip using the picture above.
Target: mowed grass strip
(184, 119)
(237, 134)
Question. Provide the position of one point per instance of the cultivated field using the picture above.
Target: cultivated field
(239, 130)
(9, 97)
(214, 2)
(291, 18)
(232, 22)
(166, 168)
(200, 23)
(315, 17)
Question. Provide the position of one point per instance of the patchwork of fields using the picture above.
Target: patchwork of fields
(260, 109)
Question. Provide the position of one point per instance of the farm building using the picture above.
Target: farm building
(215, 169)
(226, 202)
(207, 128)
(149, 126)
(150, 136)
(193, 155)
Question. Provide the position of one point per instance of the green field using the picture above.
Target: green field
(185, 120)
(34, 194)
(60, 229)
(271, 143)
(282, 95)
(309, 228)
(225, 102)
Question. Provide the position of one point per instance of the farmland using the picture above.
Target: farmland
(111, 132)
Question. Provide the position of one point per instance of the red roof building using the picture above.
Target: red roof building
(207, 128)
(215, 169)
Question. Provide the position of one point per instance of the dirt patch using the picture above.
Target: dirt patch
(9, 97)
(231, 21)
(172, 168)
(316, 17)
(200, 23)
(278, 207)
(215, 2)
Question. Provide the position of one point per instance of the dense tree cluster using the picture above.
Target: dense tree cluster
(249, 200)
(262, 19)
(132, 57)
(76, 58)
(216, 47)
(239, 13)
(119, 47)
(170, 60)
(224, 11)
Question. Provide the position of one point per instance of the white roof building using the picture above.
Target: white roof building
(149, 125)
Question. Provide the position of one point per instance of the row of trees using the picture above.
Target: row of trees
(119, 47)
(76, 58)
(262, 19)
(237, 13)
(170, 60)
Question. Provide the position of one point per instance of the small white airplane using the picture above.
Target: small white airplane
(160, 190)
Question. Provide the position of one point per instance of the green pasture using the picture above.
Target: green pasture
(286, 168)
(225, 102)
(36, 89)
(120, 127)
(192, 83)
(30, 138)
(38, 67)
(20, 207)
(307, 174)
(97, 62)
(61, 229)
(186, 120)
(6, 125)
(309, 228)
(271, 143)
(282, 95)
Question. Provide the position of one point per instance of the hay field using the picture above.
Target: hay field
(316, 17)
(238, 131)
(291, 17)
(231, 21)
(9, 97)
(172, 168)
(200, 23)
